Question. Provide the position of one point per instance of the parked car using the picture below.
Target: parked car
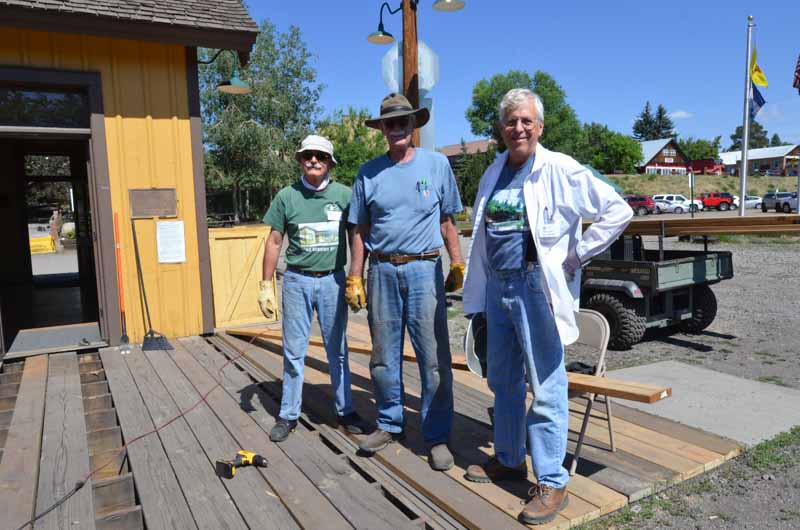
(774, 200)
(788, 204)
(680, 202)
(752, 201)
(641, 204)
(670, 207)
(722, 201)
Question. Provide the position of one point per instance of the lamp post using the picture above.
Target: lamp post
(410, 45)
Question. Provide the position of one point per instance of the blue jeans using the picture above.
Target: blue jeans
(523, 339)
(410, 296)
(301, 296)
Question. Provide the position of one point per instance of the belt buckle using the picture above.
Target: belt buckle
(396, 259)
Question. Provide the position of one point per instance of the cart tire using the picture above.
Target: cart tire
(705, 310)
(627, 326)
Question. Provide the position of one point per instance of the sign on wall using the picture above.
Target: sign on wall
(171, 242)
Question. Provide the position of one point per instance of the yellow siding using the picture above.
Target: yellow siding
(149, 145)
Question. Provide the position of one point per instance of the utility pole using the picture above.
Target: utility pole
(411, 58)
(746, 119)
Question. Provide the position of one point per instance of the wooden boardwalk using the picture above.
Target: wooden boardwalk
(66, 414)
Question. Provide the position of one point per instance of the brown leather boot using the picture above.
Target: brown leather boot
(494, 471)
(545, 503)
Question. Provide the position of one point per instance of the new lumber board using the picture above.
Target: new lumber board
(107, 464)
(309, 507)
(361, 504)
(207, 498)
(65, 453)
(19, 469)
(255, 499)
(617, 388)
(466, 506)
(162, 501)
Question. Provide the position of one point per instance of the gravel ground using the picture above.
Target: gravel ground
(754, 336)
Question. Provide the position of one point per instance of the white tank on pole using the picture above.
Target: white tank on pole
(392, 72)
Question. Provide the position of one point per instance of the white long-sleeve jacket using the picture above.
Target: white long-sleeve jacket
(559, 193)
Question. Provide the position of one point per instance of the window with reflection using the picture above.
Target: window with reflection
(29, 107)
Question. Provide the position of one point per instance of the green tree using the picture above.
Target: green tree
(607, 150)
(663, 125)
(644, 128)
(758, 137)
(698, 148)
(250, 139)
(775, 141)
(469, 168)
(562, 130)
(353, 142)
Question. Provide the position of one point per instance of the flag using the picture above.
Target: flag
(756, 73)
(756, 101)
(796, 83)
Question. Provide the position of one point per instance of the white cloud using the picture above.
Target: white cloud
(680, 115)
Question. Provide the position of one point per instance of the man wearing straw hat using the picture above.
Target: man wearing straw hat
(402, 207)
(312, 212)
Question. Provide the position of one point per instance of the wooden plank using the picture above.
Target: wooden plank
(113, 494)
(95, 389)
(7, 403)
(162, 500)
(362, 505)
(100, 419)
(93, 376)
(54, 349)
(101, 402)
(309, 507)
(3, 435)
(65, 454)
(617, 388)
(88, 357)
(108, 463)
(90, 366)
(10, 377)
(9, 389)
(728, 448)
(19, 469)
(465, 505)
(125, 519)
(209, 502)
(104, 439)
(5, 418)
(12, 367)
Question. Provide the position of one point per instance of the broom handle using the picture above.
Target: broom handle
(119, 272)
(139, 272)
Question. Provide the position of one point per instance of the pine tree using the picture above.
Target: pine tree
(644, 126)
(663, 126)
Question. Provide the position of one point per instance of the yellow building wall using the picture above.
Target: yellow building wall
(148, 141)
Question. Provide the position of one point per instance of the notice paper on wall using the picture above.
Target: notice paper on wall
(171, 243)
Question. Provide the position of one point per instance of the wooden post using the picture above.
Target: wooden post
(411, 58)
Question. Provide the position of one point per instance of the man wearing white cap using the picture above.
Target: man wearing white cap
(313, 212)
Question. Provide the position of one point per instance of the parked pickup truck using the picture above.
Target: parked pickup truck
(720, 200)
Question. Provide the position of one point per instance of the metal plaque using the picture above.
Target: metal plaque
(153, 202)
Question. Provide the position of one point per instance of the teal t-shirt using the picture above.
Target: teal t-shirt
(507, 230)
(315, 223)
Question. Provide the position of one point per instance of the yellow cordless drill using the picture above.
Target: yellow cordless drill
(227, 468)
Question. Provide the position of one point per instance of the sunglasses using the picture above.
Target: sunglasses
(401, 121)
(319, 155)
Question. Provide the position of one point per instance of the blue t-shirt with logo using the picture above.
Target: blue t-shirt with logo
(507, 230)
(403, 203)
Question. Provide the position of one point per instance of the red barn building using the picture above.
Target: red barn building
(663, 157)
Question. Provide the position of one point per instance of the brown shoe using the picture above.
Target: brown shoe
(494, 471)
(545, 503)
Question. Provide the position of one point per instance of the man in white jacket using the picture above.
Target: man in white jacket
(523, 272)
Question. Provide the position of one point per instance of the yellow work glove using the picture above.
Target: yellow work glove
(354, 293)
(455, 280)
(266, 299)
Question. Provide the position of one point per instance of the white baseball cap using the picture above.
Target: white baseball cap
(312, 142)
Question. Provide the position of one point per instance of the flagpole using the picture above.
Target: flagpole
(746, 120)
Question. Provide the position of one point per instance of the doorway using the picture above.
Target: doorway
(48, 281)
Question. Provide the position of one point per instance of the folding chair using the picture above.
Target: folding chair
(593, 332)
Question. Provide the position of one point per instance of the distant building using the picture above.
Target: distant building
(663, 157)
(775, 161)
(454, 152)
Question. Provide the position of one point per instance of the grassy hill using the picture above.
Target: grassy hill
(654, 184)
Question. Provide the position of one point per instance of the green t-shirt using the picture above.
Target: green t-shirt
(315, 222)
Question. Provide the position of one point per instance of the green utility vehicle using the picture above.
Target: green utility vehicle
(637, 288)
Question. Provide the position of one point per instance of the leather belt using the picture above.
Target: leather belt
(315, 274)
(400, 259)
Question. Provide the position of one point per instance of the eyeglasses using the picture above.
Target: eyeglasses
(400, 121)
(319, 155)
(527, 123)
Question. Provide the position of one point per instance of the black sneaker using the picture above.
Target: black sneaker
(280, 431)
(353, 423)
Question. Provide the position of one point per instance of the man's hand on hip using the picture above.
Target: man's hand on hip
(455, 279)
(354, 293)
(571, 265)
(266, 299)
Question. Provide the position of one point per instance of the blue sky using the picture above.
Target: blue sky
(610, 57)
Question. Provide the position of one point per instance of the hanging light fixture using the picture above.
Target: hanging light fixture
(448, 5)
(234, 85)
(381, 36)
